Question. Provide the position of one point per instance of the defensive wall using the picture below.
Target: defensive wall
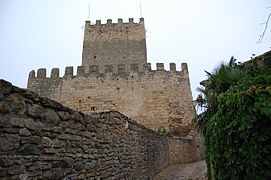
(155, 98)
(42, 139)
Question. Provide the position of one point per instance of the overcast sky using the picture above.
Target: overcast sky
(49, 33)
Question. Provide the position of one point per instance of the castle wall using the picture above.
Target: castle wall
(42, 139)
(114, 43)
(154, 98)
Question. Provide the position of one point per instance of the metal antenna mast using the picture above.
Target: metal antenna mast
(140, 9)
(89, 11)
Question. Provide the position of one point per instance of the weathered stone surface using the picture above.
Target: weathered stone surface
(115, 75)
(46, 102)
(69, 160)
(3, 172)
(56, 173)
(31, 149)
(41, 166)
(78, 165)
(77, 116)
(62, 164)
(5, 121)
(35, 111)
(30, 124)
(23, 176)
(24, 132)
(114, 44)
(90, 165)
(72, 145)
(75, 177)
(58, 143)
(30, 140)
(51, 117)
(15, 104)
(20, 122)
(8, 144)
(154, 99)
(5, 161)
(3, 106)
(16, 169)
(46, 142)
(5, 87)
(64, 115)
(70, 137)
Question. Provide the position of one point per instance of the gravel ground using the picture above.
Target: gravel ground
(193, 171)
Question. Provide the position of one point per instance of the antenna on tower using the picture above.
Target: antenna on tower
(140, 9)
(89, 11)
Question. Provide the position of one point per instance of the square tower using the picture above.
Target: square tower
(114, 43)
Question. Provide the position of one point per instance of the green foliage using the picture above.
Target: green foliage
(163, 131)
(237, 120)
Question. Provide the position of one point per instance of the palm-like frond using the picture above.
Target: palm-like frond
(219, 81)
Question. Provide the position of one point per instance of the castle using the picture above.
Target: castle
(115, 75)
(43, 139)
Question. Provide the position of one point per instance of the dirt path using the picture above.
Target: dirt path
(193, 171)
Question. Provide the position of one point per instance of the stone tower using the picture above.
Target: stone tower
(114, 43)
(115, 75)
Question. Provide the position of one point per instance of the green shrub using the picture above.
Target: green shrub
(237, 122)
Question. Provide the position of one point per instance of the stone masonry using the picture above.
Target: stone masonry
(114, 43)
(42, 139)
(115, 75)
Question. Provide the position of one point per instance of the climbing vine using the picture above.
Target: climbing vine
(237, 120)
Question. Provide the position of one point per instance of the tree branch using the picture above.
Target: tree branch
(266, 26)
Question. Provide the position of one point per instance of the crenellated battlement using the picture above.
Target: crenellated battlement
(110, 22)
(137, 90)
(114, 43)
(101, 70)
(115, 75)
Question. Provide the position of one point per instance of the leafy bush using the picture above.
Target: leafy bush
(237, 120)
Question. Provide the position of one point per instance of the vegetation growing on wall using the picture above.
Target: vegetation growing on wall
(163, 131)
(237, 120)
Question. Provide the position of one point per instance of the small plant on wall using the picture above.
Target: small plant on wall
(163, 131)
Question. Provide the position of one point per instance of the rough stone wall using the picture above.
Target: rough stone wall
(154, 98)
(41, 139)
(114, 43)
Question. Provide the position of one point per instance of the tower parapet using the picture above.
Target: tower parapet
(100, 70)
(114, 43)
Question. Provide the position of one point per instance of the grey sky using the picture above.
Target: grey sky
(48, 33)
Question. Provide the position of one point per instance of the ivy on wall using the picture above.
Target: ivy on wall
(237, 120)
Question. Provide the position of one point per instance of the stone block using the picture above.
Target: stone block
(14, 170)
(51, 117)
(19, 122)
(8, 144)
(35, 111)
(30, 149)
(78, 165)
(46, 142)
(24, 132)
(3, 172)
(55, 173)
(90, 165)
